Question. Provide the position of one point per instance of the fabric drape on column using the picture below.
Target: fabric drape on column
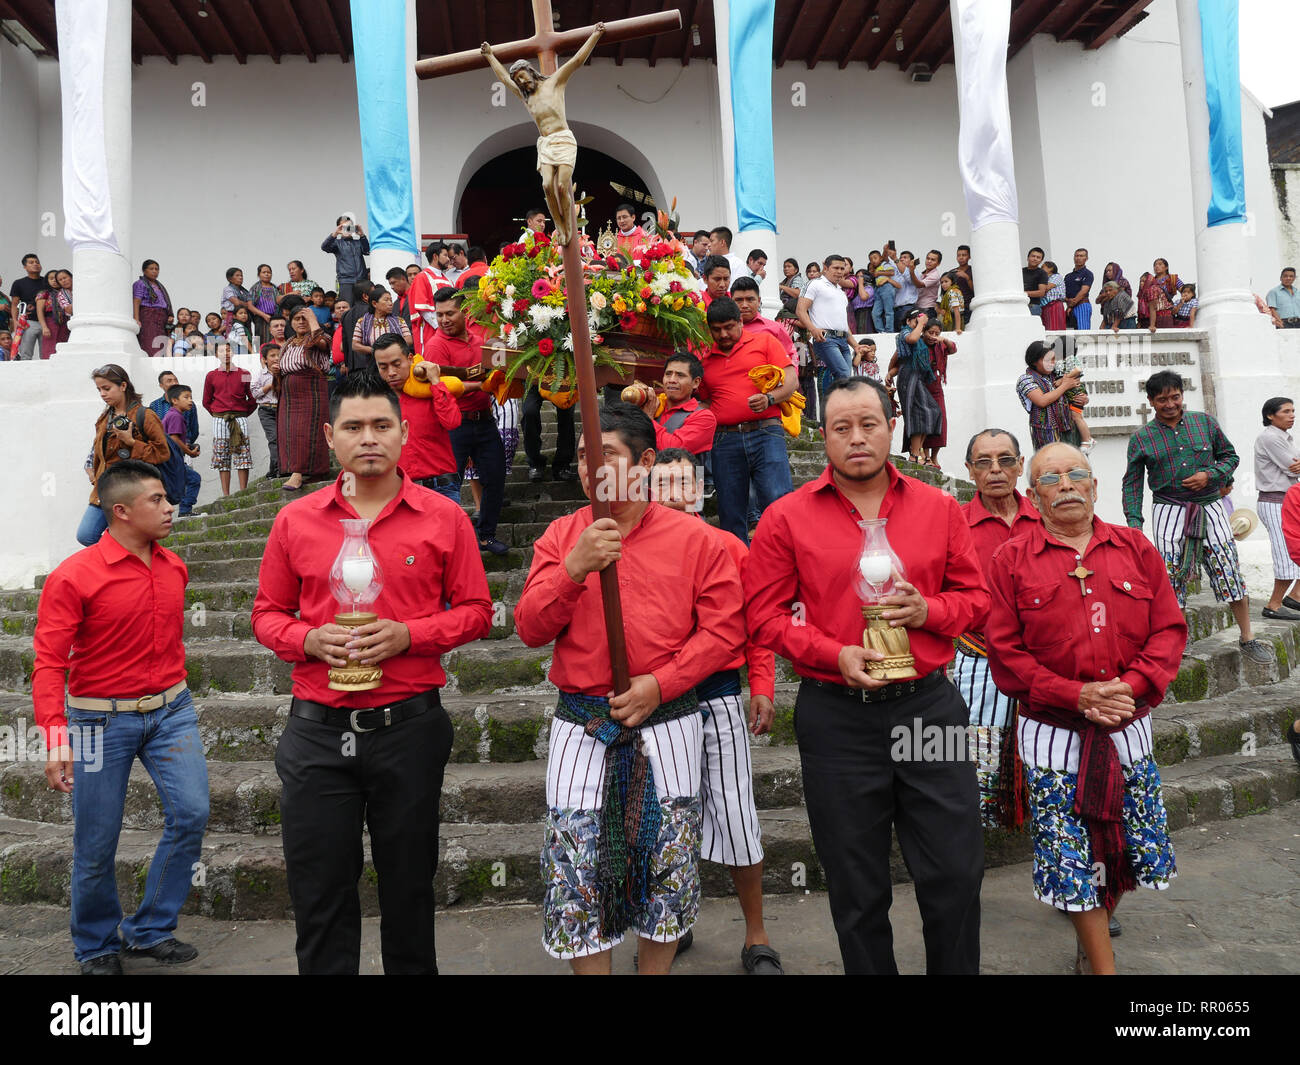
(750, 49)
(379, 54)
(1223, 98)
(984, 155)
(87, 206)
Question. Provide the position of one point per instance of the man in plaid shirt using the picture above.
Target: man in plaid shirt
(1189, 465)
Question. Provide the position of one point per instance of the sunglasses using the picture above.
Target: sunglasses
(1075, 474)
(1007, 462)
(111, 373)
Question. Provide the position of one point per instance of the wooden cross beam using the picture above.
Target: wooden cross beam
(544, 44)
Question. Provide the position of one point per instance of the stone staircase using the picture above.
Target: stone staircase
(493, 799)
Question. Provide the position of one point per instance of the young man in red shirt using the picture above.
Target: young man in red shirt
(611, 863)
(227, 398)
(745, 291)
(419, 299)
(865, 767)
(732, 836)
(459, 342)
(368, 757)
(749, 445)
(427, 457)
(110, 621)
(715, 272)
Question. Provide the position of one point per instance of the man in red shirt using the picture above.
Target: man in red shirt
(745, 291)
(1085, 631)
(715, 271)
(685, 423)
(616, 859)
(427, 457)
(226, 396)
(997, 513)
(110, 621)
(732, 836)
(749, 445)
(367, 757)
(459, 342)
(477, 266)
(869, 767)
(419, 298)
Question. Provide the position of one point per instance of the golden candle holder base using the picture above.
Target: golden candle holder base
(893, 643)
(355, 678)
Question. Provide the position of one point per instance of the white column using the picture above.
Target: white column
(102, 328)
(384, 259)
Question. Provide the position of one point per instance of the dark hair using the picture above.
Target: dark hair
(341, 218)
(533, 212)
(362, 288)
(164, 374)
(693, 365)
(852, 384)
(669, 455)
(1077, 250)
(391, 340)
(1185, 284)
(267, 266)
(970, 448)
(1285, 269)
(364, 385)
(475, 254)
(723, 232)
(757, 253)
(625, 207)
(447, 292)
(232, 272)
(377, 292)
(1032, 250)
(432, 248)
(714, 262)
(632, 424)
(31, 255)
(698, 234)
(1163, 381)
(1049, 266)
(111, 371)
(833, 258)
(910, 254)
(811, 265)
(723, 309)
(964, 247)
(1274, 405)
(396, 271)
(456, 248)
(298, 264)
(795, 261)
(318, 289)
(744, 284)
(1036, 350)
(176, 391)
(117, 484)
(938, 255)
(147, 263)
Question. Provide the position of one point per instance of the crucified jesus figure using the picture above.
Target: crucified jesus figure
(557, 148)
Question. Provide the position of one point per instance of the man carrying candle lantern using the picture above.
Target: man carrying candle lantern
(623, 772)
(867, 768)
(1086, 632)
(374, 756)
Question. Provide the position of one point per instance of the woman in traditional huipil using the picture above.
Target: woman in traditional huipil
(304, 401)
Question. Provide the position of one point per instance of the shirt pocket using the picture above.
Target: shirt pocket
(1039, 607)
(1131, 607)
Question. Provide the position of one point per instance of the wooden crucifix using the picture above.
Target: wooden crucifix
(544, 44)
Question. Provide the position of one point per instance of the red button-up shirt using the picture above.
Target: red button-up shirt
(770, 328)
(761, 661)
(1047, 636)
(428, 554)
(112, 625)
(681, 605)
(989, 532)
(695, 434)
(799, 583)
(727, 387)
(464, 350)
(428, 452)
(227, 392)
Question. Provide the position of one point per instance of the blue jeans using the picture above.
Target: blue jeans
(836, 358)
(757, 457)
(93, 524)
(882, 309)
(193, 482)
(167, 743)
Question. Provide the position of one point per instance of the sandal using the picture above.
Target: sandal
(761, 960)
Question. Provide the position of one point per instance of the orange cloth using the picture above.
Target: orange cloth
(769, 377)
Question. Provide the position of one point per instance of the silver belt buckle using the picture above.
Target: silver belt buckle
(356, 727)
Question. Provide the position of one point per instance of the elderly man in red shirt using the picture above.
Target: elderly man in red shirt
(110, 621)
(373, 757)
(996, 514)
(1085, 631)
(623, 772)
(749, 445)
(865, 768)
(429, 411)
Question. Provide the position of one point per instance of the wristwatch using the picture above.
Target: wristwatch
(769, 398)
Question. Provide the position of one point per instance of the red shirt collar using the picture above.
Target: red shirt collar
(113, 552)
(897, 481)
(745, 340)
(1024, 509)
(1040, 537)
(334, 496)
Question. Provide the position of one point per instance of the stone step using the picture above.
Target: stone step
(1214, 664)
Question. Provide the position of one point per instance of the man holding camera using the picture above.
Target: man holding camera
(349, 246)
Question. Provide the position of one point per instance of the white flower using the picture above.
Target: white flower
(542, 316)
(659, 286)
(568, 342)
(518, 335)
(506, 310)
(599, 301)
(510, 290)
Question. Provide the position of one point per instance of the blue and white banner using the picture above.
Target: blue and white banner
(984, 158)
(87, 204)
(379, 54)
(750, 48)
(1223, 98)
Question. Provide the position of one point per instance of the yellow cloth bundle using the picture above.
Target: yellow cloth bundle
(767, 378)
(563, 400)
(417, 389)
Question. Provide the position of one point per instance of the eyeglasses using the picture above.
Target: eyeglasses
(1075, 474)
(112, 373)
(1007, 462)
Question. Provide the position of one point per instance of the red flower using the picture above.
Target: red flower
(644, 263)
(533, 251)
(674, 286)
(546, 345)
(611, 262)
(627, 319)
(521, 306)
(656, 300)
(541, 288)
(646, 292)
(649, 275)
(541, 238)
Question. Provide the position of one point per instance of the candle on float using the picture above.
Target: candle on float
(876, 568)
(358, 573)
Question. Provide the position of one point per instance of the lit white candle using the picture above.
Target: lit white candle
(876, 568)
(357, 574)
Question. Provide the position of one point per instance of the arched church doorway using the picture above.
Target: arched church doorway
(500, 190)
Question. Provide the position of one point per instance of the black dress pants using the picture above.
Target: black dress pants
(333, 781)
(566, 442)
(479, 439)
(856, 789)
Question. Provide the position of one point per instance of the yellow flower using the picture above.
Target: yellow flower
(620, 304)
(677, 304)
(640, 307)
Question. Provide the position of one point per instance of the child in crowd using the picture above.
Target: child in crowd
(1185, 308)
(882, 276)
(177, 331)
(864, 360)
(952, 304)
(213, 321)
(861, 299)
(232, 296)
(319, 307)
(266, 392)
(812, 271)
(227, 398)
(240, 344)
(1054, 301)
(181, 398)
(6, 343)
(1076, 397)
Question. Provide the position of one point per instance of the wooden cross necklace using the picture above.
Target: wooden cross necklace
(1082, 574)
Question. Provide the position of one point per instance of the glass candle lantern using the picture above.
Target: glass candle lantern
(355, 582)
(877, 572)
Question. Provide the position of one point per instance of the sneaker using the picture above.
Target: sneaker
(493, 545)
(565, 473)
(169, 952)
(104, 965)
(536, 475)
(1258, 651)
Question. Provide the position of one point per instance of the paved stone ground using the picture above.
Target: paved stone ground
(1234, 909)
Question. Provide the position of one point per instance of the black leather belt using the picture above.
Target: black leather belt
(474, 415)
(749, 426)
(375, 717)
(835, 332)
(895, 690)
(442, 480)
